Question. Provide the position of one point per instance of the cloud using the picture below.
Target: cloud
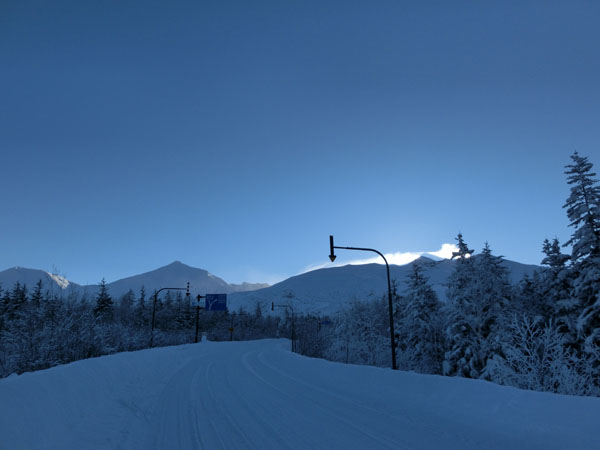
(398, 258)
(445, 252)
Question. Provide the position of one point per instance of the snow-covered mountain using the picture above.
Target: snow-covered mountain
(323, 291)
(175, 274)
(30, 277)
(320, 291)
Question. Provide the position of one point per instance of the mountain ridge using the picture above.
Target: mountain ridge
(320, 291)
(175, 274)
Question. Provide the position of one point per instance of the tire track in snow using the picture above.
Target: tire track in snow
(339, 414)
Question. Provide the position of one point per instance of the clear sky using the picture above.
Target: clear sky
(236, 136)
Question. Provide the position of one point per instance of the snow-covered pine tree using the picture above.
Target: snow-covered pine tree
(140, 308)
(478, 292)
(457, 327)
(583, 211)
(495, 294)
(182, 315)
(37, 295)
(529, 298)
(104, 303)
(421, 324)
(125, 306)
(557, 283)
(16, 299)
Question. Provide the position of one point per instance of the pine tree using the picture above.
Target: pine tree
(458, 328)
(141, 309)
(182, 314)
(583, 211)
(530, 298)
(557, 284)
(18, 298)
(463, 249)
(478, 290)
(37, 295)
(104, 303)
(421, 325)
(125, 307)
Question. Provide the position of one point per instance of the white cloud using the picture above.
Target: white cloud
(398, 258)
(446, 251)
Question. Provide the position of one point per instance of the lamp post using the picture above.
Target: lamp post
(187, 289)
(273, 305)
(332, 257)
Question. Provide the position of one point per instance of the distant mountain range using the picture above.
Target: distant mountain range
(320, 291)
(175, 274)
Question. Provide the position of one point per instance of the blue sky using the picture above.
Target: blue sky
(236, 136)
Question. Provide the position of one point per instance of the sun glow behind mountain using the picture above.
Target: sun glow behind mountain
(396, 258)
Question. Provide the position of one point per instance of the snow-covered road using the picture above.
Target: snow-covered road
(258, 395)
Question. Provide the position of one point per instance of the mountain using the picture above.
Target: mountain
(324, 291)
(321, 291)
(175, 274)
(247, 287)
(30, 277)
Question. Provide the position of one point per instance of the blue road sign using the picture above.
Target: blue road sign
(216, 302)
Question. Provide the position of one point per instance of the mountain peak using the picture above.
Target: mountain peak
(177, 265)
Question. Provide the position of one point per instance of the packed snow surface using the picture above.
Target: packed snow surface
(259, 395)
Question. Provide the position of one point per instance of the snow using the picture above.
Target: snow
(62, 282)
(259, 395)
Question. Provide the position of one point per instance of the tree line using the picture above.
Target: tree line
(40, 329)
(542, 334)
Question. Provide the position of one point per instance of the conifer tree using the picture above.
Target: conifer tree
(104, 303)
(37, 295)
(583, 211)
(557, 284)
(141, 309)
(478, 290)
(182, 313)
(422, 330)
(530, 298)
(125, 306)
(458, 328)
(18, 298)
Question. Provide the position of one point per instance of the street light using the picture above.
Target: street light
(154, 306)
(332, 257)
(273, 305)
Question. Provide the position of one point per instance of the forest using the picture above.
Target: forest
(542, 334)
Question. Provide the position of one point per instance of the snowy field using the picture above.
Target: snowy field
(258, 395)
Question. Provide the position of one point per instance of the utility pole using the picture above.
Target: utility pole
(332, 257)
